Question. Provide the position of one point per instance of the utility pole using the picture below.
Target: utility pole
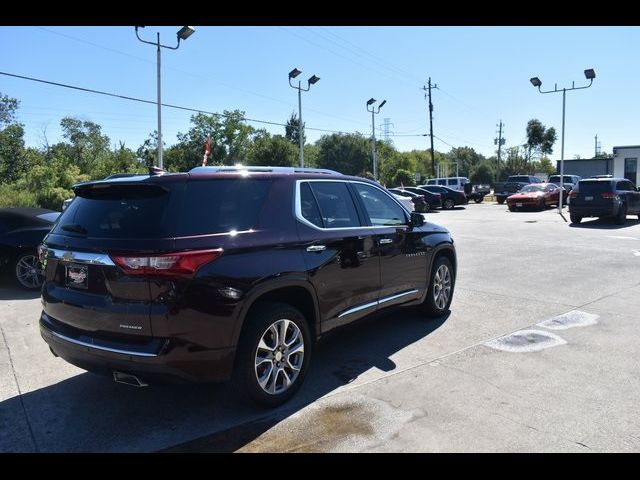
(428, 88)
(499, 141)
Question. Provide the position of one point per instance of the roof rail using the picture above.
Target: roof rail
(260, 169)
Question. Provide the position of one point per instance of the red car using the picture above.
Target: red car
(535, 195)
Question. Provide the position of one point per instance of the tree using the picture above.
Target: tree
(12, 159)
(483, 173)
(403, 177)
(466, 158)
(291, 130)
(8, 108)
(544, 166)
(515, 164)
(540, 140)
(87, 145)
(274, 151)
(346, 153)
(230, 141)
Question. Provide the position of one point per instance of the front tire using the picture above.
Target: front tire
(448, 204)
(440, 290)
(274, 353)
(500, 201)
(575, 218)
(27, 271)
(478, 199)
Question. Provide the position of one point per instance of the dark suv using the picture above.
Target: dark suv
(225, 272)
(604, 197)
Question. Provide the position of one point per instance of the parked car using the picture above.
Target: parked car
(536, 195)
(456, 183)
(226, 272)
(513, 185)
(450, 197)
(418, 201)
(604, 197)
(405, 201)
(433, 199)
(476, 192)
(21, 231)
(569, 181)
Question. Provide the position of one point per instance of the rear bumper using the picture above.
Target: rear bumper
(156, 360)
(583, 211)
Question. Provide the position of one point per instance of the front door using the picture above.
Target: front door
(403, 254)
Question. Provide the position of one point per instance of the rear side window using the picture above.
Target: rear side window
(117, 211)
(442, 182)
(219, 206)
(431, 182)
(309, 206)
(625, 186)
(336, 205)
(590, 187)
(452, 181)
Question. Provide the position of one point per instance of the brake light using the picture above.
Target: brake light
(573, 195)
(608, 195)
(179, 264)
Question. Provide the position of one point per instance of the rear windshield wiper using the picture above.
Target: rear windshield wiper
(74, 227)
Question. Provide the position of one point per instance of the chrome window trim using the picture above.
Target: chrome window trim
(298, 206)
(80, 257)
(377, 302)
(99, 347)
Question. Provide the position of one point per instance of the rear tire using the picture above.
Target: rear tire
(575, 218)
(500, 201)
(512, 208)
(274, 353)
(449, 204)
(478, 199)
(440, 291)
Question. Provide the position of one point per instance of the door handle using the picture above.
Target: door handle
(385, 241)
(316, 248)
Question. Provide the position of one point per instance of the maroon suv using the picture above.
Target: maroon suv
(230, 272)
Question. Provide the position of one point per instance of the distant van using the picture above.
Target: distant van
(457, 183)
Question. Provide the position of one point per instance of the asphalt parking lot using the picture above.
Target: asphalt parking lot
(538, 354)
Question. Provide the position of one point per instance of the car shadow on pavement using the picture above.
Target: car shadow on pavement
(604, 224)
(8, 290)
(91, 413)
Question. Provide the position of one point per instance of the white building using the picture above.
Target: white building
(625, 162)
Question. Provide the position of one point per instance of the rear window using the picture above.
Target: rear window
(519, 179)
(594, 187)
(218, 206)
(117, 211)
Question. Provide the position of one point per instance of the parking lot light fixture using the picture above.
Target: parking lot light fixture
(374, 111)
(311, 81)
(590, 74)
(182, 34)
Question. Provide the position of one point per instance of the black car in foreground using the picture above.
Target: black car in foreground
(223, 272)
(604, 197)
(21, 231)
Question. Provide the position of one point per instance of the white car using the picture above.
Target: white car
(406, 201)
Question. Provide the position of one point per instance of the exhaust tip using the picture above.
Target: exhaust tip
(128, 379)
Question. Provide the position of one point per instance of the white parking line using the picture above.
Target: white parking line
(574, 318)
(621, 237)
(524, 341)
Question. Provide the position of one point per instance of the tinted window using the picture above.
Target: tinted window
(117, 211)
(431, 182)
(217, 206)
(590, 187)
(519, 179)
(381, 209)
(442, 182)
(625, 186)
(309, 206)
(336, 205)
(452, 181)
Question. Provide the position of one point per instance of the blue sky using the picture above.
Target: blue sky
(482, 73)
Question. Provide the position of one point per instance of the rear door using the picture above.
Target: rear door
(631, 196)
(83, 286)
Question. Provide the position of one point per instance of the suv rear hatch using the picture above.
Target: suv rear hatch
(84, 288)
(593, 193)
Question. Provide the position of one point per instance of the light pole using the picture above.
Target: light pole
(182, 34)
(312, 81)
(589, 74)
(373, 111)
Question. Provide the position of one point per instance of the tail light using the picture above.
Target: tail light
(573, 195)
(179, 264)
(42, 252)
(609, 195)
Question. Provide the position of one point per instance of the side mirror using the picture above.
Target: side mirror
(417, 220)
